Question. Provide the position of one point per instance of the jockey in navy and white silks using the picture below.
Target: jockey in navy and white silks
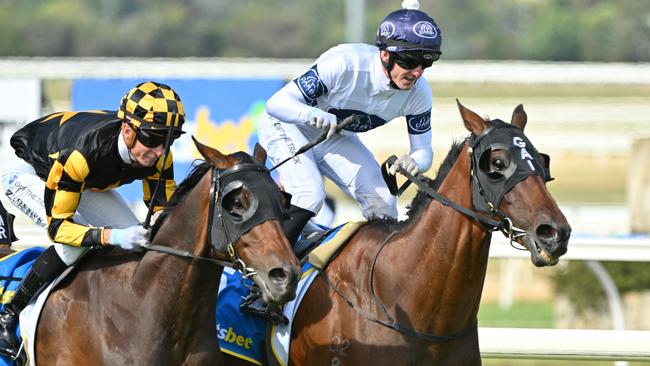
(378, 83)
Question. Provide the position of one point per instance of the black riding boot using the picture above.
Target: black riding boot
(46, 268)
(253, 303)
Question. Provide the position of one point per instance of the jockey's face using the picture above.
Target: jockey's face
(404, 78)
(144, 156)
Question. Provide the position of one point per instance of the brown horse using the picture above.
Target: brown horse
(159, 309)
(408, 293)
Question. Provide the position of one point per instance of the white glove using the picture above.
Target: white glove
(131, 238)
(405, 162)
(321, 119)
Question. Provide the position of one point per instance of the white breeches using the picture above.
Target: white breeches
(25, 189)
(342, 158)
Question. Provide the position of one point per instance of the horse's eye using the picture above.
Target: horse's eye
(234, 203)
(499, 164)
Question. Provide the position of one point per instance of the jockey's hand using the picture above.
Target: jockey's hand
(405, 162)
(131, 238)
(321, 119)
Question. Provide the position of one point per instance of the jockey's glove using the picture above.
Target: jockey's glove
(407, 163)
(324, 120)
(131, 238)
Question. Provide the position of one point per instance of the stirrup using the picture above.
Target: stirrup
(12, 352)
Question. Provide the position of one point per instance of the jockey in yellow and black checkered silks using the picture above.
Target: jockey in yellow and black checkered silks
(67, 155)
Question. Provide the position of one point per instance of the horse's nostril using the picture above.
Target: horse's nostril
(546, 232)
(279, 275)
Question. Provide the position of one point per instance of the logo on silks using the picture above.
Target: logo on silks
(311, 86)
(425, 29)
(386, 29)
(420, 123)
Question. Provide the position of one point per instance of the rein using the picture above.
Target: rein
(391, 322)
(504, 224)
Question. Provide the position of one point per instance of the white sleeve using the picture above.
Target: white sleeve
(288, 105)
(296, 100)
(419, 126)
(421, 150)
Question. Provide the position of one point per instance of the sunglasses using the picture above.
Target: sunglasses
(151, 139)
(410, 61)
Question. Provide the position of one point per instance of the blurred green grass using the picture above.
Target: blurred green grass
(520, 315)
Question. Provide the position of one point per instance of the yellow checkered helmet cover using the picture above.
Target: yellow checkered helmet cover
(152, 105)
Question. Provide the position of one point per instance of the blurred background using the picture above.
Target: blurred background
(581, 69)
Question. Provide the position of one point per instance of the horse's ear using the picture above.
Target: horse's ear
(259, 153)
(519, 117)
(211, 155)
(473, 122)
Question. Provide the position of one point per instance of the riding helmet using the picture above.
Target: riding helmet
(152, 106)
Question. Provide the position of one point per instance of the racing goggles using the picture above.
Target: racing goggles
(410, 60)
(152, 139)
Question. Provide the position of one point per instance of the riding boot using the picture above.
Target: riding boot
(254, 304)
(46, 268)
(295, 220)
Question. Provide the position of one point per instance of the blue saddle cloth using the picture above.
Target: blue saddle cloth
(12, 268)
(240, 334)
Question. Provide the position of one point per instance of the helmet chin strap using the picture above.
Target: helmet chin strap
(388, 66)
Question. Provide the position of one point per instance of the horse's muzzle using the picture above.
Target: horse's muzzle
(280, 284)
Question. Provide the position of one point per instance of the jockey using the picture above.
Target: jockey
(378, 84)
(77, 158)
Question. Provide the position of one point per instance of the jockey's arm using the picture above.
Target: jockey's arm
(421, 150)
(418, 124)
(63, 188)
(296, 101)
(288, 105)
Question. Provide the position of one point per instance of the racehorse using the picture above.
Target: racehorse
(122, 308)
(408, 293)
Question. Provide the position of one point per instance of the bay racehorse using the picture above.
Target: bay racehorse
(408, 293)
(122, 308)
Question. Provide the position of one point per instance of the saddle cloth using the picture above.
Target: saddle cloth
(243, 335)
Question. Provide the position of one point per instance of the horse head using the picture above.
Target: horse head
(509, 182)
(244, 222)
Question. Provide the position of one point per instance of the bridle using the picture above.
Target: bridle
(489, 188)
(225, 228)
(485, 198)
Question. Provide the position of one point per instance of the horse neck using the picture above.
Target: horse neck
(186, 288)
(449, 254)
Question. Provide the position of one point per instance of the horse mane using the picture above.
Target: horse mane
(181, 191)
(421, 200)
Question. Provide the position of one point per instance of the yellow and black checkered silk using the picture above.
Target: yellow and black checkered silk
(153, 105)
(77, 151)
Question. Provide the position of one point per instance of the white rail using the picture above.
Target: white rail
(565, 344)
(632, 249)
(444, 71)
